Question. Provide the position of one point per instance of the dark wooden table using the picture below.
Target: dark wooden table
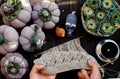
(88, 42)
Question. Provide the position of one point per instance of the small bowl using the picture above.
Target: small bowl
(107, 50)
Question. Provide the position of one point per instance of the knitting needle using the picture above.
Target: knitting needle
(107, 63)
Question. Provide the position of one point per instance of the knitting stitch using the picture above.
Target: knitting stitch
(65, 57)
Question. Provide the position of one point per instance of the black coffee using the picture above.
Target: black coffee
(109, 50)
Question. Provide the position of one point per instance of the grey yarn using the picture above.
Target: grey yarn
(65, 57)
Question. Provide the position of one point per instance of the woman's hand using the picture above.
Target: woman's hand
(93, 73)
(37, 74)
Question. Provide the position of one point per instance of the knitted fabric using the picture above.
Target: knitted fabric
(65, 57)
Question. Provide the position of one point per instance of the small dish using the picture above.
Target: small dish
(107, 50)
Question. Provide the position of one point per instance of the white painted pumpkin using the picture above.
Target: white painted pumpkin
(13, 66)
(8, 39)
(32, 38)
(46, 14)
(16, 12)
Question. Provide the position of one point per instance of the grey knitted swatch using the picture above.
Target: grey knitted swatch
(65, 57)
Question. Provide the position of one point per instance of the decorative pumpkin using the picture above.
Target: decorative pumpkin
(46, 14)
(60, 32)
(8, 39)
(13, 66)
(32, 38)
(16, 12)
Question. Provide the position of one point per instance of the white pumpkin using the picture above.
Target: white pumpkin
(32, 38)
(46, 14)
(13, 66)
(16, 12)
(8, 39)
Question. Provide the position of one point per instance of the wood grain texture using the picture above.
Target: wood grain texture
(33, 2)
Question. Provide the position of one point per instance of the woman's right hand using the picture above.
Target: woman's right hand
(93, 73)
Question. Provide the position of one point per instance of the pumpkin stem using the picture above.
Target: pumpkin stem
(11, 9)
(8, 9)
(13, 68)
(45, 14)
(35, 40)
(1, 39)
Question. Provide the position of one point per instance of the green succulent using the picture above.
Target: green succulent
(93, 3)
(11, 9)
(115, 17)
(91, 24)
(100, 15)
(88, 12)
(108, 5)
(106, 29)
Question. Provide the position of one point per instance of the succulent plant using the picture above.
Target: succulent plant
(91, 24)
(115, 17)
(101, 17)
(108, 5)
(100, 14)
(93, 3)
(106, 29)
(88, 12)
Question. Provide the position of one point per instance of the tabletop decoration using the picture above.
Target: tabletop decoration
(16, 12)
(13, 66)
(71, 21)
(100, 17)
(32, 38)
(65, 57)
(8, 39)
(46, 14)
(60, 32)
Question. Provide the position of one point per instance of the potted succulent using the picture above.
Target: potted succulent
(100, 17)
(13, 66)
(32, 38)
(46, 14)
(16, 12)
(8, 43)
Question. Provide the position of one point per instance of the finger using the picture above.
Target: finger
(80, 76)
(89, 72)
(37, 68)
(84, 73)
(93, 66)
(52, 77)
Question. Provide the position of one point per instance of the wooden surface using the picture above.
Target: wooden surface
(88, 41)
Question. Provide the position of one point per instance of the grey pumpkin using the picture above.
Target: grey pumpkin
(13, 66)
(8, 43)
(32, 38)
(46, 14)
(16, 12)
